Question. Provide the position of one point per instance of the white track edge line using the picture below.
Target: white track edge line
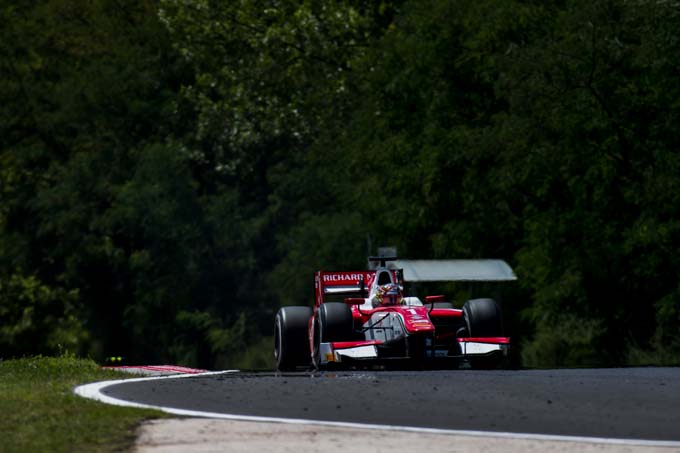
(93, 391)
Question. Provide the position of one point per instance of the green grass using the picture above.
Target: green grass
(40, 412)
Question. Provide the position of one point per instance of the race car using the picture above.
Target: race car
(363, 319)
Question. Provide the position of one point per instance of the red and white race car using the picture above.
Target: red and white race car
(362, 318)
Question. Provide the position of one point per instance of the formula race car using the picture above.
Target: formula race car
(363, 318)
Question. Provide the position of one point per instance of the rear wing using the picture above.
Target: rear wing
(455, 270)
(350, 283)
(341, 283)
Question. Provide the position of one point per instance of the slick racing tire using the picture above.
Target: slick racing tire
(333, 322)
(291, 340)
(483, 318)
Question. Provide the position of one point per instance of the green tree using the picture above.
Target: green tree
(83, 85)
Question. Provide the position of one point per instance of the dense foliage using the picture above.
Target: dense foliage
(173, 172)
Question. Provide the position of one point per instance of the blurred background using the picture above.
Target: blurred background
(171, 173)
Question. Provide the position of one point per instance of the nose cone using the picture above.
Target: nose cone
(417, 320)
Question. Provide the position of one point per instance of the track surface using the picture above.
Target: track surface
(633, 403)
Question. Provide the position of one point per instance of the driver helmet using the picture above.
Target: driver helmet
(389, 294)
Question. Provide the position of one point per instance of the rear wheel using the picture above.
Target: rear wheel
(333, 322)
(291, 341)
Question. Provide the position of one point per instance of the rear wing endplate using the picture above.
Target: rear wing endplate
(455, 270)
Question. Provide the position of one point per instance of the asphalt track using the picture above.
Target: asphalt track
(631, 403)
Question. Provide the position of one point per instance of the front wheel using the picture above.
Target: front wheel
(291, 343)
(333, 322)
(483, 318)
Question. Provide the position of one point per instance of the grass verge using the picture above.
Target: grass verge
(41, 413)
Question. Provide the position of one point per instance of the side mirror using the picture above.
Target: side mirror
(354, 301)
(433, 299)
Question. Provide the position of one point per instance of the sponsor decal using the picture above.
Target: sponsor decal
(351, 277)
(342, 277)
(346, 278)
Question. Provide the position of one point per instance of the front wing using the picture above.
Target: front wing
(370, 350)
